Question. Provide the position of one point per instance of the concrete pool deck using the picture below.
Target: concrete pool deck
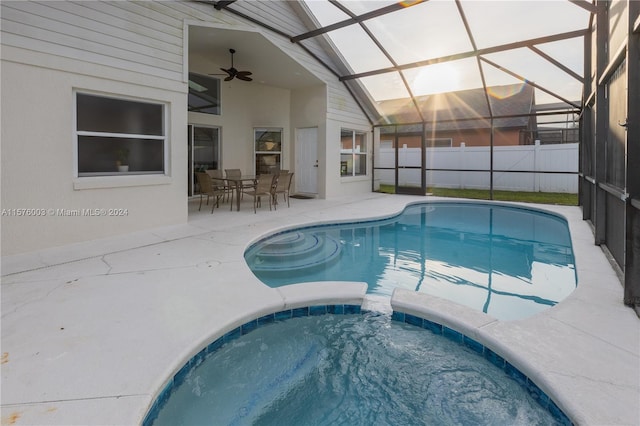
(91, 332)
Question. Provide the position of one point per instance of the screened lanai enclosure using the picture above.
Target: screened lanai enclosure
(463, 94)
(460, 94)
(539, 96)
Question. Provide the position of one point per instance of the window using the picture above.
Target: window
(268, 149)
(119, 136)
(439, 142)
(353, 153)
(204, 94)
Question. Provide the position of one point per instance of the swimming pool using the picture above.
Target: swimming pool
(510, 262)
(318, 369)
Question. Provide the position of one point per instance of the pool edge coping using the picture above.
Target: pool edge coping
(462, 329)
(570, 410)
(291, 298)
(477, 325)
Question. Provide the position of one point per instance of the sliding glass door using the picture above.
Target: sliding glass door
(204, 152)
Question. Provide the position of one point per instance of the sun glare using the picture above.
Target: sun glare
(503, 92)
(409, 3)
(439, 78)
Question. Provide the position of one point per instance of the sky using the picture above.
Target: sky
(435, 28)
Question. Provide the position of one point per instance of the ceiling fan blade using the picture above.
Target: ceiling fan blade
(233, 73)
(226, 72)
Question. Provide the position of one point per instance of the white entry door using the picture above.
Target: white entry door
(306, 172)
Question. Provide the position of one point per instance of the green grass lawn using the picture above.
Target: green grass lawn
(483, 194)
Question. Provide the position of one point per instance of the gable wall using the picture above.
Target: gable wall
(341, 109)
(136, 49)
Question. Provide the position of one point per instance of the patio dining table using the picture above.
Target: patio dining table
(238, 182)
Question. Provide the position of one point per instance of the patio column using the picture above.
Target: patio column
(602, 108)
(632, 248)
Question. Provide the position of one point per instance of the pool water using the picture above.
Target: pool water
(348, 370)
(509, 262)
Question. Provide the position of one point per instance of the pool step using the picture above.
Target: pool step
(296, 253)
(291, 245)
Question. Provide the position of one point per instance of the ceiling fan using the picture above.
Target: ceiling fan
(232, 72)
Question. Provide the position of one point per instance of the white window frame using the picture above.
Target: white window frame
(218, 93)
(97, 179)
(257, 153)
(355, 153)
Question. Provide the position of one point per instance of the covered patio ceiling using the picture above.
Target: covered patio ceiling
(270, 66)
(388, 50)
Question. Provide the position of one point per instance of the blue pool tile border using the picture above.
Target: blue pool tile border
(315, 310)
(179, 377)
(534, 391)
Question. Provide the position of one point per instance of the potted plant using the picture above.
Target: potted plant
(122, 161)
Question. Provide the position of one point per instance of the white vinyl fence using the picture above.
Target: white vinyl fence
(460, 162)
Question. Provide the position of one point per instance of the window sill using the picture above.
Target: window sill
(354, 178)
(127, 173)
(119, 181)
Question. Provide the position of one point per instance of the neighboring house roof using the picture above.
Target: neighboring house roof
(466, 109)
(377, 48)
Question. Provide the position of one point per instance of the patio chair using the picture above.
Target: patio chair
(236, 173)
(265, 186)
(218, 181)
(207, 188)
(283, 187)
